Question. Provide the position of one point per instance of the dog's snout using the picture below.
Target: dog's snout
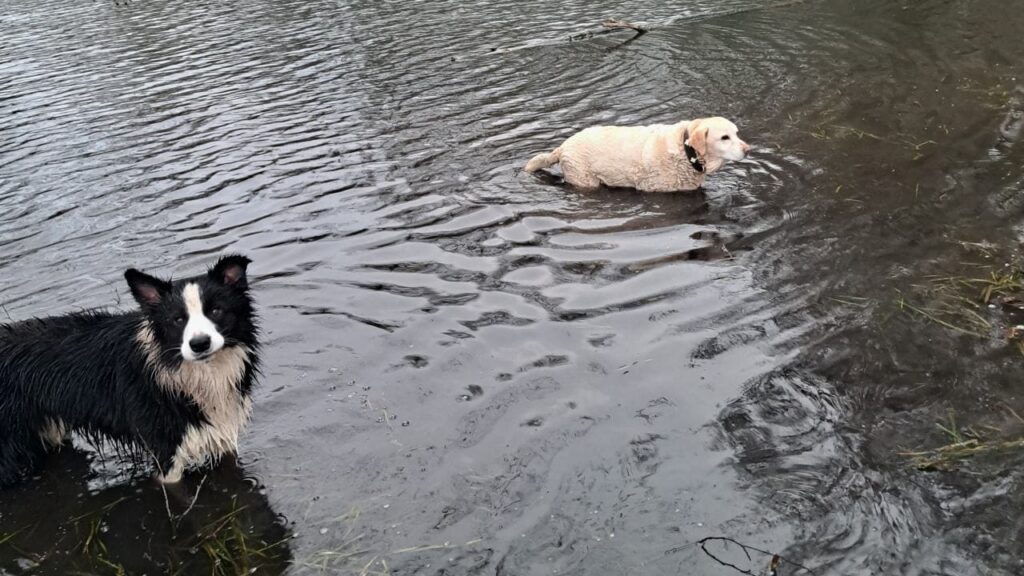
(745, 147)
(199, 344)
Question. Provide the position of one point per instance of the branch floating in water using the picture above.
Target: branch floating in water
(613, 24)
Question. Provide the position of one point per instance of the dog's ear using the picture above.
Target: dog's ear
(230, 271)
(698, 137)
(147, 290)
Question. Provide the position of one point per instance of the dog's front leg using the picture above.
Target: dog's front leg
(169, 470)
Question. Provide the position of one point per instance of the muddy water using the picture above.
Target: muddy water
(470, 370)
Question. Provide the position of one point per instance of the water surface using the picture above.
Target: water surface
(471, 370)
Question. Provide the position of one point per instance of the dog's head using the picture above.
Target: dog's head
(716, 139)
(194, 318)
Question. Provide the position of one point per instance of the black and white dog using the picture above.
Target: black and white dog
(172, 380)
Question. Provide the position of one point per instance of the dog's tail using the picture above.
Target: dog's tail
(545, 160)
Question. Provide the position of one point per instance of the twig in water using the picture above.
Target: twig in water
(167, 506)
(163, 488)
(776, 559)
(194, 499)
(723, 562)
(613, 24)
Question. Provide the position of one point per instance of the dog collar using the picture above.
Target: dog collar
(691, 154)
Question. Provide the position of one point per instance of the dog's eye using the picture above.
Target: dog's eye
(179, 320)
(216, 313)
(725, 137)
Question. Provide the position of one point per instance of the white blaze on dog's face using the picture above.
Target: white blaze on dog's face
(195, 318)
(722, 139)
(200, 339)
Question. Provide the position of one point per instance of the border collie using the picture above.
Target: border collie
(172, 380)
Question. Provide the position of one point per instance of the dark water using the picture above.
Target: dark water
(470, 370)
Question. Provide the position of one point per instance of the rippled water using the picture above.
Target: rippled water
(470, 370)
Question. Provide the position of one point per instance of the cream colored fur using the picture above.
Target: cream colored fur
(648, 158)
(54, 432)
(211, 385)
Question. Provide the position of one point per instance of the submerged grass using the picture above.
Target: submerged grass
(92, 548)
(231, 550)
(346, 553)
(977, 306)
(221, 547)
(951, 455)
(350, 557)
(828, 131)
(963, 320)
(964, 443)
(6, 537)
(957, 303)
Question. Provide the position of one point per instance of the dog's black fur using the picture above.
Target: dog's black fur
(99, 374)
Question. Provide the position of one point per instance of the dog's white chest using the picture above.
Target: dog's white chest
(213, 386)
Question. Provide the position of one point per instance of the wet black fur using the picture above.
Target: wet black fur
(89, 370)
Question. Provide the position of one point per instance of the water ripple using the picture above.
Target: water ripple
(545, 380)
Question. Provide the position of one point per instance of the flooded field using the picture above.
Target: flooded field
(469, 370)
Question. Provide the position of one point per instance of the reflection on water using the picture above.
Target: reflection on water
(471, 370)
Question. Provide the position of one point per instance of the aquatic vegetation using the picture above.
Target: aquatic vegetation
(231, 549)
(985, 307)
(965, 304)
(351, 557)
(225, 544)
(964, 444)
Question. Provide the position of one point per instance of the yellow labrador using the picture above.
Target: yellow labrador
(655, 158)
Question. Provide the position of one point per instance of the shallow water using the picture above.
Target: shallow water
(471, 370)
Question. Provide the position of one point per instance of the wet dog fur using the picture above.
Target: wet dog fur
(656, 158)
(171, 381)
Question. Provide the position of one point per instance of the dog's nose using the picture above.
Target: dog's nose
(199, 344)
(745, 147)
